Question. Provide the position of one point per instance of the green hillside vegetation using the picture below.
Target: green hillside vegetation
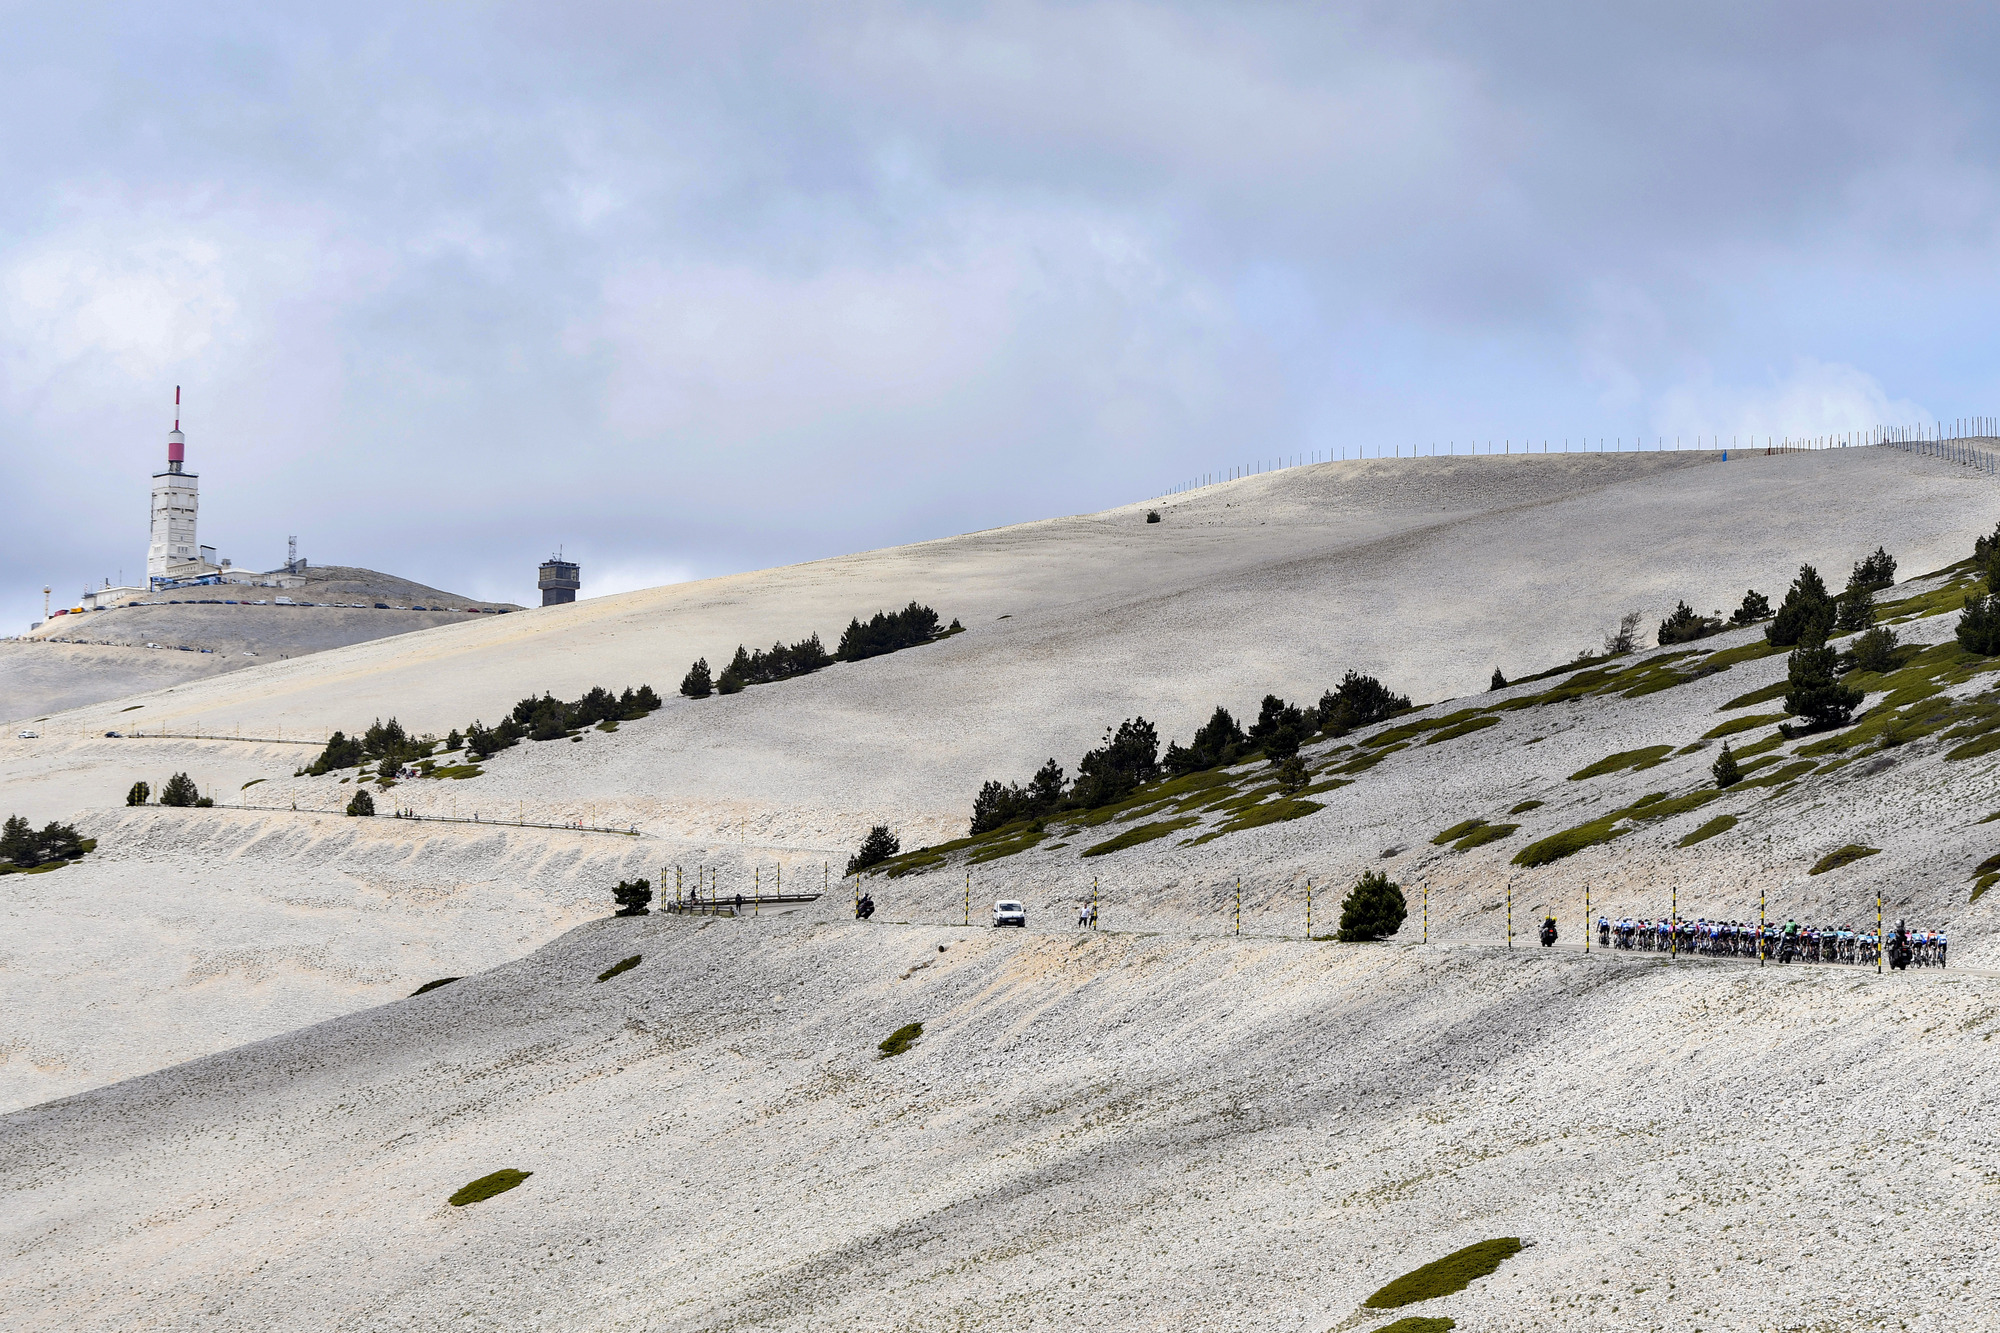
(1441, 1277)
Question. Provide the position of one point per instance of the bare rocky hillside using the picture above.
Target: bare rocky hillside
(1193, 1118)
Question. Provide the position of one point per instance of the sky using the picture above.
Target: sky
(691, 289)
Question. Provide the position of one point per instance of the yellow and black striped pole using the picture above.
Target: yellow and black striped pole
(1236, 926)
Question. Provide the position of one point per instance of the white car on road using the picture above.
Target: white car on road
(1007, 912)
(27, 735)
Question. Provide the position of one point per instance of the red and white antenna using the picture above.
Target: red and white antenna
(176, 442)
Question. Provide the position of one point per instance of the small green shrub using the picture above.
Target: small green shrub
(877, 847)
(1719, 824)
(487, 1186)
(1373, 908)
(622, 965)
(632, 898)
(1847, 855)
(1632, 759)
(899, 1041)
(1441, 1277)
(1524, 807)
(362, 804)
(1726, 771)
(433, 985)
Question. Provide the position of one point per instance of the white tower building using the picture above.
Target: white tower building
(174, 552)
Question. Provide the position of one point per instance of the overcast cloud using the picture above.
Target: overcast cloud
(693, 289)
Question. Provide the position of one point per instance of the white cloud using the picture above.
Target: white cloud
(1815, 398)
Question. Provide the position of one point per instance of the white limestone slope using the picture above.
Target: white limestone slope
(1117, 1132)
(1424, 572)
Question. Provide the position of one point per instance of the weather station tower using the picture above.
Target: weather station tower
(560, 579)
(174, 552)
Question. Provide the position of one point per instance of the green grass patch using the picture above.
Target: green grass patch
(1463, 837)
(1361, 763)
(1719, 824)
(1659, 806)
(455, 772)
(487, 1186)
(1545, 851)
(1418, 1323)
(1775, 690)
(1624, 759)
(1982, 884)
(1524, 807)
(433, 985)
(1847, 855)
(1484, 834)
(1728, 657)
(899, 1041)
(1132, 837)
(1972, 749)
(1441, 1277)
(1737, 724)
(251, 783)
(1331, 784)
(1779, 777)
(993, 851)
(1937, 602)
(622, 965)
(1759, 748)
(1465, 728)
(42, 869)
(1271, 812)
(608, 724)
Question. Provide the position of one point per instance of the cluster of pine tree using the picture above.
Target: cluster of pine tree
(1979, 627)
(885, 632)
(23, 847)
(1130, 752)
(550, 719)
(390, 747)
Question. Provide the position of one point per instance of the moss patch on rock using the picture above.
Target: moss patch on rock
(899, 1041)
(487, 1186)
(1635, 760)
(1847, 855)
(1143, 833)
(622, 965)
(1441, 1277)
(1719, 824)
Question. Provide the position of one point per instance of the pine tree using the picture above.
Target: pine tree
(1874, 573)
(1807, 614)
(1979, 627)
(18, 844)
(139, 794)
(362, 804)
(1292, 775)
(1815, 692)
(179, 791)
(877, 847)
(1725, 769)
(1756, 606)
(1373, 908)
(697, 684)
(1855, 610)
(1499, 681)
(1875, 650)
(633, 897)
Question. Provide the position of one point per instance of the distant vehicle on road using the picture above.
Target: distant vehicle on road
(27, 735)
(118, 734)
(1007, 912)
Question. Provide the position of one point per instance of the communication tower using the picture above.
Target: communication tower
(559, 580)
